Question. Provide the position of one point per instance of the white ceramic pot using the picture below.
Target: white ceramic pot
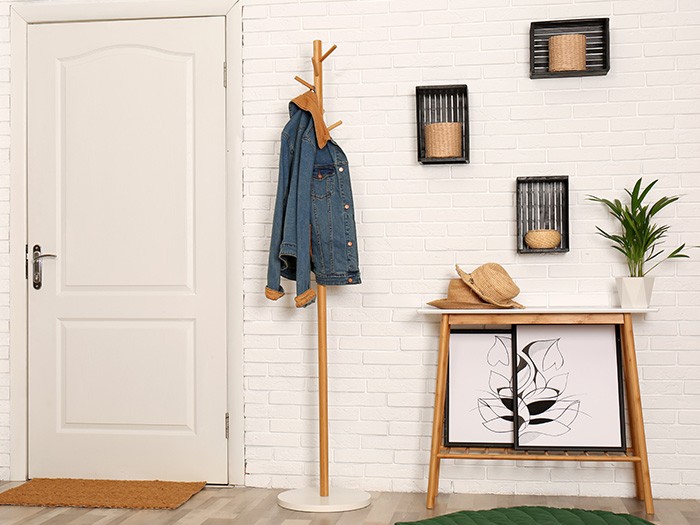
(635, 292)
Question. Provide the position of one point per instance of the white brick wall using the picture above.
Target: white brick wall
(4, 240)
(415, 222)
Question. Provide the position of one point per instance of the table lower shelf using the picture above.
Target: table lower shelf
(533, 455)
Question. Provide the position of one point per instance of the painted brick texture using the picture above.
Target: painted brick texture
(415, 222)
(4, 240)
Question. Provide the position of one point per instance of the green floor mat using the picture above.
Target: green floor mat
(531, 516)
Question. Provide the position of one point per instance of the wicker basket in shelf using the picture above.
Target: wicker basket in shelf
(542, 239)
(567, 52)
(443, 139)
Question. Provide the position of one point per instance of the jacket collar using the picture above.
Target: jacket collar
(309, 102)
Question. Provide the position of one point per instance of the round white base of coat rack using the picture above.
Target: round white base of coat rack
(338, 500)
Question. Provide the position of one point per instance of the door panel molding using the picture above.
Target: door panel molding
(23, 15)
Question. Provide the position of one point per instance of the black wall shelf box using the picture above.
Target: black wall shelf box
(443, 104)
(542, 203)
(597, 31)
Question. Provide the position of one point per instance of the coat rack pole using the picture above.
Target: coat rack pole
(318, 73)
(322, 327)
(322, 390)
(309, 500)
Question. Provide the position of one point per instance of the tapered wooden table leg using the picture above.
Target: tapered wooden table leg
(639, 483)
(438, 411)
(634, 407)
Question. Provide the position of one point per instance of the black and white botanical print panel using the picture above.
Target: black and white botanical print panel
(479, 409)
(568, 387)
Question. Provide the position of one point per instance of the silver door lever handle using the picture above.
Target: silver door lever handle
(37, 256)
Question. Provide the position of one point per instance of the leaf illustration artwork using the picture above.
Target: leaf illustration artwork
(497, 410)
(543, 409)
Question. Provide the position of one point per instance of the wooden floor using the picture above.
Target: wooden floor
(247, 506)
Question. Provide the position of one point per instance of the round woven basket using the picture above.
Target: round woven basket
(567, 52)
(443, 139)
(542, 239)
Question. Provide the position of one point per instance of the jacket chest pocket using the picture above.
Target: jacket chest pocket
(322, 182)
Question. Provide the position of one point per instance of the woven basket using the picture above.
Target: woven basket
(567, 52)
(443, 139)
(542, 239)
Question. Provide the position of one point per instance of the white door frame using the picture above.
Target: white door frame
(21, 15)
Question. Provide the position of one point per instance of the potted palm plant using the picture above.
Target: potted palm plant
(639, 242)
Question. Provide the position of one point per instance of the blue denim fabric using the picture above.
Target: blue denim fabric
(313, 228)
(334, 237)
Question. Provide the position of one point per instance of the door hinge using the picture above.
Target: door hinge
(227, 425)
(225, 73)
(26, 261)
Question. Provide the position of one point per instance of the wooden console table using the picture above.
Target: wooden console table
(636, 454)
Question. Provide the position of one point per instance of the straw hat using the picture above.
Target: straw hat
(489, 286)
(459, 295)
(492, 283)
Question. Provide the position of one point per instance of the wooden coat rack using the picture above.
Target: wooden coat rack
(323, 499)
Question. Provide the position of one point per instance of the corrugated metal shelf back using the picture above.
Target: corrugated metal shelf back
(542, 203)
(442, 104)
(597, 31)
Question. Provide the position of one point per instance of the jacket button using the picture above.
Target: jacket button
(349, 243)
(347, 206)
(350, 280)
(341, 169)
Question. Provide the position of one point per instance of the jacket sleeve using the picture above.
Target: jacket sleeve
(274, 289)
(307, 158)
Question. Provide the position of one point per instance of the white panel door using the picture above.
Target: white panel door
(126, 186)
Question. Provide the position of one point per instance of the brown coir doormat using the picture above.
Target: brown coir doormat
(101, 493)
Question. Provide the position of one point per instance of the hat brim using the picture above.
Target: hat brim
(451, 304)
(467, 278)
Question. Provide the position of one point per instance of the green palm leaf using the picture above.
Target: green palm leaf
(640, 238)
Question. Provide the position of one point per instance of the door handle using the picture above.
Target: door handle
(37, 257)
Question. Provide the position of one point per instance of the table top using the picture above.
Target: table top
(539, 310)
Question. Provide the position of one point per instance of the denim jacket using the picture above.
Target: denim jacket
(313, 227)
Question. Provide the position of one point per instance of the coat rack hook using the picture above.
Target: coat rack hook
(325, 55)
(305, 83)
(335, 125)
